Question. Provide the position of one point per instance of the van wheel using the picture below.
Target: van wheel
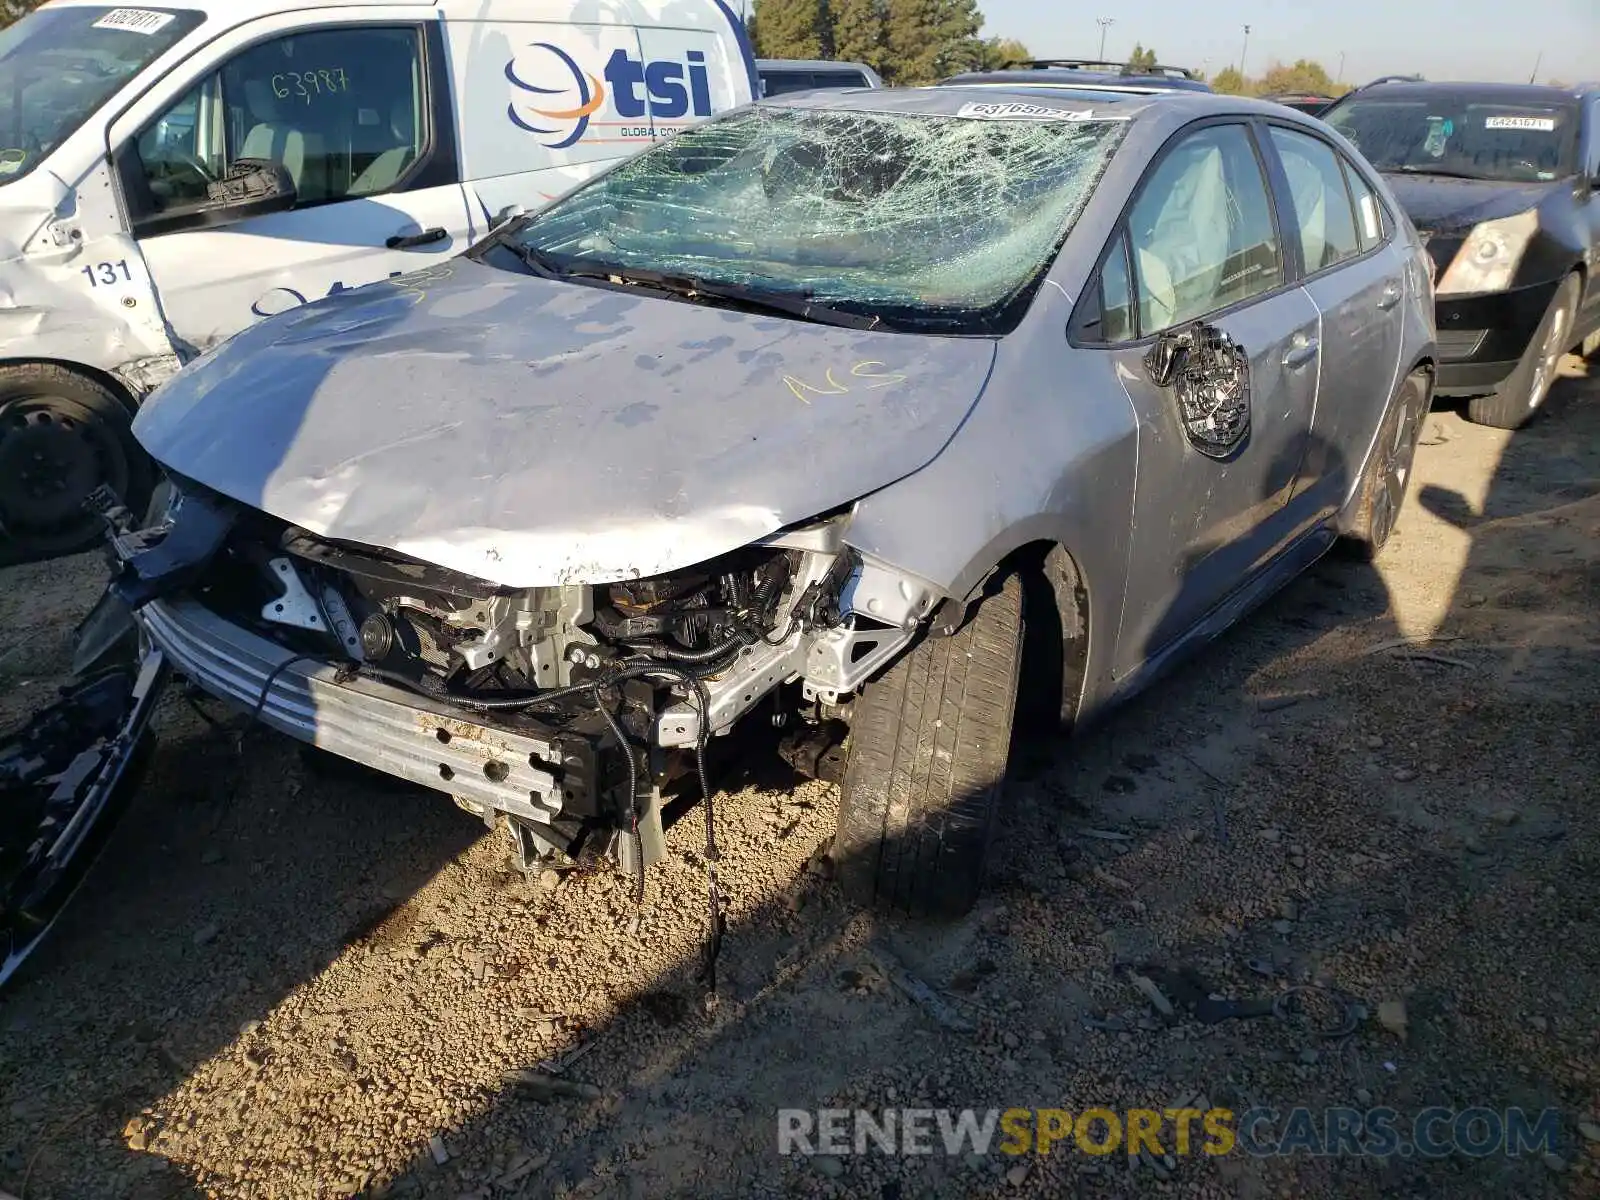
(61, 436)
(929, 742)
(1519, 397)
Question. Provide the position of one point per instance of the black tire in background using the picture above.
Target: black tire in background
(61, 436)
(1388, 471)
(929, 743)
(1519, 397)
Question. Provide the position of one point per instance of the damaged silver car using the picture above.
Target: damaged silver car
(906, 420)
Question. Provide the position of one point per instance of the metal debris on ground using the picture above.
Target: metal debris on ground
(920, 993)
(1442, 659)
(1152, 993)
(1105, 835)
(542, 1086)
(1411, 643)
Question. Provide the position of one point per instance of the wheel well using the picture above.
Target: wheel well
(104, 378)
(1055, 650)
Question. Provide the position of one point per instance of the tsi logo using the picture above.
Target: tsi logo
(553, 97)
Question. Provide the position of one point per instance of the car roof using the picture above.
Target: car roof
(810, 64)
(1072, 77)
(1506, 93)
(947, 100)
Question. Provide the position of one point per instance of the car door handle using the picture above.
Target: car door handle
(1390, 297)
(406, 241)
(1302, 353)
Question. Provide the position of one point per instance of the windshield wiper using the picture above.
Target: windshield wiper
(788, 304)
(1442, 172)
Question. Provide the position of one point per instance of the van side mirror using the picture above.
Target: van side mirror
(252, 187)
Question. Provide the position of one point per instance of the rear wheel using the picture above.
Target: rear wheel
(929, 743)
(61, 436)
(1520, 396)
(1388, 473)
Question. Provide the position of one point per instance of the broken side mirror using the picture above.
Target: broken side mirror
(1209, 375)
(252, 187)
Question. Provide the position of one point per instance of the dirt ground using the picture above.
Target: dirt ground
(288, 980)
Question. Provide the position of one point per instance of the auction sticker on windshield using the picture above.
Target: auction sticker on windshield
(1018, 111)
(134, 20)
(1542, 124)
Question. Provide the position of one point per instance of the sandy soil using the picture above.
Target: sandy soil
(289, 980)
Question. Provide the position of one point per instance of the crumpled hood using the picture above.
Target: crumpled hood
(1440, 205)
(532, 432)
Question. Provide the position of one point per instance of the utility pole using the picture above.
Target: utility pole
(1244, 52)
(1105, 23)
(1536, 64)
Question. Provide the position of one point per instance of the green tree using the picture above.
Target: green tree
(999, 53)
(1304, 76)
(12, 10)
(858, 32)
(930, 39)
(1141, 60)
(792, 29)
(1229, 82)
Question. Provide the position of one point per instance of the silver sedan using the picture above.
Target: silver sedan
(880, 416)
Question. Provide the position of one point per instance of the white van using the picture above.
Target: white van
(171, 173)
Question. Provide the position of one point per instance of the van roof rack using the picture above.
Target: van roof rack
(1093, 64)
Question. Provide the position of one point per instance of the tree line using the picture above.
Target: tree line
(908, 42)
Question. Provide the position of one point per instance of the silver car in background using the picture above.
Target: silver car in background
(900, 416)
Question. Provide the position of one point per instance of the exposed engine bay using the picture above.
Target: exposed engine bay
(620, 685)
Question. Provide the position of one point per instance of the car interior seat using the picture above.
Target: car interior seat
(298, 150)
(385, 171)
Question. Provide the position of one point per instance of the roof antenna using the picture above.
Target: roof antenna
(1535, 76)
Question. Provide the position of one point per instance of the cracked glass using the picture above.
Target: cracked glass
(938, 222)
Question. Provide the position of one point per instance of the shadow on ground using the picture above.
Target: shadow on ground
(1383, 780)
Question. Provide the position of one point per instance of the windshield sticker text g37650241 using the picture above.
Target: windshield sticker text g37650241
(134, 20)
(1019, 111)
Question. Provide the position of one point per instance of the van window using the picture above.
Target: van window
(839, 79)
(341, 110)
(59, 65)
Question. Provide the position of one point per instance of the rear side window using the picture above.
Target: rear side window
(1116, 295)
(1369, 213)
(1325, 222)
(780, 83)
(840, 79)
(1201, 233)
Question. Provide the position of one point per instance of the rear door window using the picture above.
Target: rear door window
(1323, 214)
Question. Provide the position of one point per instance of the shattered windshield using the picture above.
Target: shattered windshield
(58, 65)
(918, 222)
(1463, 136)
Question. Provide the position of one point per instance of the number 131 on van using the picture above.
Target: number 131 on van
(105, 274)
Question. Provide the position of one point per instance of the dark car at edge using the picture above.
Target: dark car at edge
(1503, 183)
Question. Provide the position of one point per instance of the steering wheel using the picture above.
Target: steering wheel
(193, 160)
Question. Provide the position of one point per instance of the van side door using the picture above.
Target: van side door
(353, 115)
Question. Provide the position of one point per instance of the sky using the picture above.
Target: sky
(1440, 39)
